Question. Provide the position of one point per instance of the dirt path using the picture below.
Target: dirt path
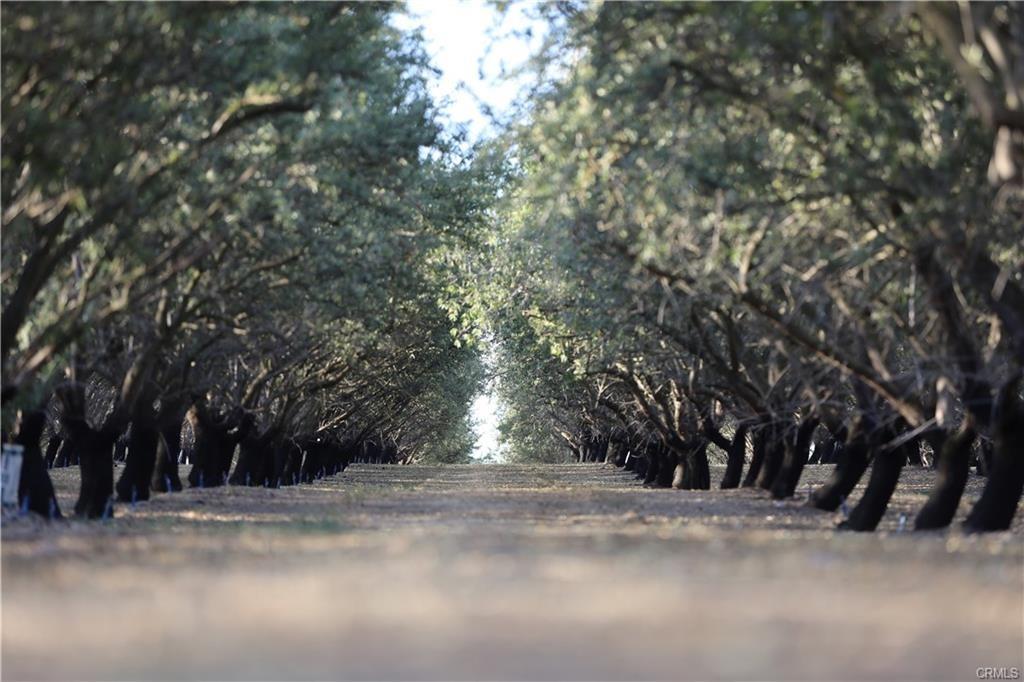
(502, 572)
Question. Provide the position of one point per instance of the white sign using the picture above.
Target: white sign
(11, 473)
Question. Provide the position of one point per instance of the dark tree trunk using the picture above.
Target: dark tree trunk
(95, 450)
(352, 449)
(238, 425)
(265, 472)
(667, 461)
(653, 462)
(142, 440)
(35, 489)
(885, 474)
(293, 463)
(371, 453)
(775, 451)
(796, 443)
(619, 454)
(313, 464)
(691, 470)
(953, 468)
(334, 457)
(588, 449)
(757, 459)
(252, 455)
(278, 460)
(289, 461)
(737, 453)
(165, 470)
(227, 459)
(666, 471)
(997, 505)
(853, 461)
(133, 485)
(391, 453)
(701, 468)
(213, 447)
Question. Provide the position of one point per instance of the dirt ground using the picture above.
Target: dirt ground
(504, 572)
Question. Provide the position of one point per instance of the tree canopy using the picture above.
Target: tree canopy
(767, 216)
(251, 203)
(798, 223)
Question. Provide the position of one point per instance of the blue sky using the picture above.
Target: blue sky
(473, 45)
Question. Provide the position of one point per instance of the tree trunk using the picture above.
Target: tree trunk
(760, 445)
(737, 453)
(265, 470)
(953, 463)
(653, 462)
(142, 440)
(95, 450)
(701, 468)
(618, 448)
(852, 462)
(997, 505)
(334, 457)
(885, 474)
(797, 443)
(212, 446)
(775, 451)
(277, 460)
(169, 421)
(289, 461)
(293, 463)
(250, 469)
(165, 470)
(619, 454)
(35, 489)
(313, 461)
(667, 461)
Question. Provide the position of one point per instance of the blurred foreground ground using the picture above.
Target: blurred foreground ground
(503, 572)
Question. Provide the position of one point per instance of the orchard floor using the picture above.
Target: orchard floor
(503, 572)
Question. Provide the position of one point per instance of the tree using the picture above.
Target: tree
(763, 210)
(235, 217)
